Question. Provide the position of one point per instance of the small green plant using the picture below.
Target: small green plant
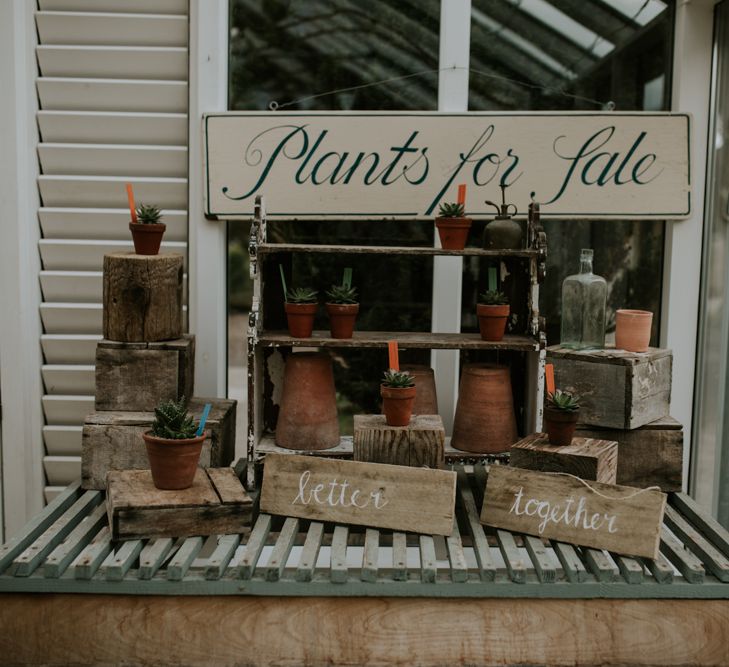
(148, 215)
(342, 294)
(451, 210)
(398, 379)
(173, 422)
(563, 400)
(493, 298)
(301, 295)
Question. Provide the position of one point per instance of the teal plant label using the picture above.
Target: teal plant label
(403, 165)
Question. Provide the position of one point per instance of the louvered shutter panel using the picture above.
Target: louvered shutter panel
(113, 98)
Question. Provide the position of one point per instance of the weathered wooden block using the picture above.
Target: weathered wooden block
(587, 458)
(651, 455)
(113, 440)
(215, 504)
(619, 389)
(142, 297)
(138, 376)
(421, 443)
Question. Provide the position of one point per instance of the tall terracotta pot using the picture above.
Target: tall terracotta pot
(173, 462)
(426, 399)
(307, 418)
(633, 330)
(485, 422)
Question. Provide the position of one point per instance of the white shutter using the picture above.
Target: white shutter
(113, 100)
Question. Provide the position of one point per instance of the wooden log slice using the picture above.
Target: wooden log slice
(142, 297)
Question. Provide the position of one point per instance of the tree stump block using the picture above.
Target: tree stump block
(586, 458)
(138, 376)
(142, 297)
(421, 443)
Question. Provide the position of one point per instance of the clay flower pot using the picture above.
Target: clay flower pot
(147, 237)
(341, 318)
(633, 330)
(397, 404)
(173, 462)
(453, 232)
(426, 398)
(492, 320)
(300, 317)
(560, 425)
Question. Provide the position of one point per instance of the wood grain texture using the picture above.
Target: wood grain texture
(619, 389)
(587, 458)
(396, 497)
(237, 631)
(421, 443)
(139, 378)
(142, 297)
(563, 508)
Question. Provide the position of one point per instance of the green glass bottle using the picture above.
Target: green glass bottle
(583, 307)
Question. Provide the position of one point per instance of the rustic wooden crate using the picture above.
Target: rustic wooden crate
(587, 458)
(138, 376)
(421, 443)
(215, 504)
(619, 389)
(113, 440)
(651, 455)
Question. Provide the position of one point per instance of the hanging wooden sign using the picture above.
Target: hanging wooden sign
(417, 500)
(630, 165)
(565, 508)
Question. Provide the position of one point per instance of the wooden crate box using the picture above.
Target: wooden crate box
(619, 389)
(138, 376)
(651, 455)
(113, 440)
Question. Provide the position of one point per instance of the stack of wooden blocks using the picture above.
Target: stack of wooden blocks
(143, 360)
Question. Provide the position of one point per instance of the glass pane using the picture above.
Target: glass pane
(570, 55)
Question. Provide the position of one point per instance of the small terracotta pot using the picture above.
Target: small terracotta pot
(633, 330)
(300, 317)
(173, 462)
(307, 418)
(560, 425)
(492, 321)
(397, 404)
(453, 232)
(426, 398)
(341, 318)
(147, 238)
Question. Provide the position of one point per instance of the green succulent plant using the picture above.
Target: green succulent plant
(173, 422)
(398, 379)
(342, 294)
(493, 298)
(563, 400)
(451, 210)
(301, 295)
(148, 215)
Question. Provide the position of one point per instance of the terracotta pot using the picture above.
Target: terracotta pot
(147, 238)
(560, 425)
(307, 418)
(633, 330)
(173, 462)
(453, 232)
(300, 317)
(397, 404)
(341, 318)
(426, 398)
(485, 422)
(492, 321)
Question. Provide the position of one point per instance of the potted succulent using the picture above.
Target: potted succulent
(560, 416)
(147, 231)
(493, 312)
(452, 226)
(398, 394)
(301, 306)
(342, 306)
(173, 446)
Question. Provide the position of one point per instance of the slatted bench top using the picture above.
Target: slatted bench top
(67, 549)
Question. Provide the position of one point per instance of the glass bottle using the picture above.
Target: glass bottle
(583, 307)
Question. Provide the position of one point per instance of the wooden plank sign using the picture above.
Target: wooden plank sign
(418, 500)
(565, 508)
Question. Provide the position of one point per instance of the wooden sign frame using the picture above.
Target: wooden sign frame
(566, 508)
(418, 500)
